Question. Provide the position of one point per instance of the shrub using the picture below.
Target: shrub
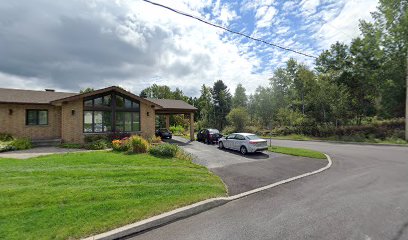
(71, 145)
(5, 137)
(95, 137)
(154, 140)
(97, 145)
(253, 129)
(177, 130)
(6, 147)
(138, 144)
(117, 135)
(121, 145)
(165, 150)
(21, 144)
(228, 130)
(238, 117)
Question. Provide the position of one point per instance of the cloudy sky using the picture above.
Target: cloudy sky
(69, 45)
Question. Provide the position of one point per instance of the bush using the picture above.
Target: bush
(121, 145)
(253, 129)
(97, 145)
(71, 145)
(228, 130)
(154, 140)
(6, 148)
(138, 144)
(165, 150)
(117, 135)
(177, 130)
(5, 137)
(95, 137)
(238, 117)
(21, 144)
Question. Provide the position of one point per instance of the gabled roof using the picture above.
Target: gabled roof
(8, 95)
(21, 96)
(101, 91)
(171, 104)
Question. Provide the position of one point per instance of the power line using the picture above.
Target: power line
(229, 30)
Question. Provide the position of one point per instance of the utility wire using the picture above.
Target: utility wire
(229, 30)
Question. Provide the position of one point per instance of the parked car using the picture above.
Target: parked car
(208, 135)
(164, 133)
(243, 142)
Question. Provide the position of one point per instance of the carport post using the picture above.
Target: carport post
(167, 121)
(192, 126)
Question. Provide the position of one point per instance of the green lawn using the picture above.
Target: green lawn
(79, 194)
(297, 152)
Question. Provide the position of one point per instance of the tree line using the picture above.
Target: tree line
(347, 84)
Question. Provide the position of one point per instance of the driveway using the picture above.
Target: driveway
(364, 195)
(243, 173)
(37, 151)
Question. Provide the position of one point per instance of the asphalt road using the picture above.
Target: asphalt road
(242, 173)
(363, 196)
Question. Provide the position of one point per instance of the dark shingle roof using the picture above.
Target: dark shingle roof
(48, 97)
(30, 96)
(172, 104)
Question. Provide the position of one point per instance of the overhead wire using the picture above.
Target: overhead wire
(229, 30)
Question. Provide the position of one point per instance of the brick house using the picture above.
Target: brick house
(68, 117)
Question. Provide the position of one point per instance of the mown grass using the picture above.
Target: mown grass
(80, 194)
(297, 152)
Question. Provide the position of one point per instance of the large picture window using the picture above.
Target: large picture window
(36, 117)
(111, 113)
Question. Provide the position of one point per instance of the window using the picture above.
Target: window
(239, 137)
(88, 115)
(111, 112)
(37, 117)
(97, 121)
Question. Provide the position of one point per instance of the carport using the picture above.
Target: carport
(173, 107)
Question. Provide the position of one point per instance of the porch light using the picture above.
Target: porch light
(10, 111)
(72, 112)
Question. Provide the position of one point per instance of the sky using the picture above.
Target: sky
(75, 44)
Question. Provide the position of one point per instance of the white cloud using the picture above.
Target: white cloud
(265, 15)
(127, 43)
(309, 6)
(342, 24)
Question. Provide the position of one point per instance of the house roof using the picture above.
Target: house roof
(8, 95)
(21, 96)
(171, 104)
(101, 91)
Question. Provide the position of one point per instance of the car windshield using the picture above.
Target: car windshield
(213, 131)
(253, 137)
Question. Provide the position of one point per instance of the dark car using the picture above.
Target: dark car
(164, 133)
(208, 135)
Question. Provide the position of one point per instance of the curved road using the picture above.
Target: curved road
(364, 195)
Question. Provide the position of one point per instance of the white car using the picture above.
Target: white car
(243, 142)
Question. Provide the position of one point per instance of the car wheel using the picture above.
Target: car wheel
(206, 141)
(221, 145)
(243, 150)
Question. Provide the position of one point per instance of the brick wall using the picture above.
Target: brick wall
(61, 122)
(15, 123)
(72, 124)
(147, 123)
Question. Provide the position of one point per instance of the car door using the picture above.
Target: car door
(229, 141)
(239, 141)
